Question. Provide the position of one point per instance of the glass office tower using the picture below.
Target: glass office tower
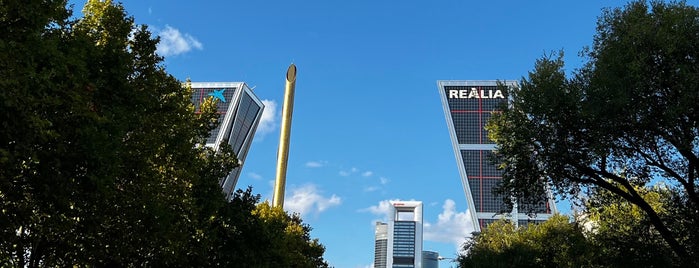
(404, 248)
(468, 105)
(240, 112)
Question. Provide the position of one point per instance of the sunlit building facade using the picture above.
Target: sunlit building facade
(468, 105)
(402, 237)
(380, 245)
(240, 112)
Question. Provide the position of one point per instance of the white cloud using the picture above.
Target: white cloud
(371, 189)
(172, 42)
(383, 209)
(315, 164)
(383, 180)
(451, 226)
(308, 199)
(254, 175)
(346, 173)
(268, 121)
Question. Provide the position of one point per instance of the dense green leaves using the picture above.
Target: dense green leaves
(554, 243)
(623, 234)
(253, 234)
(627, 119)
(608, 232)
(101, 156)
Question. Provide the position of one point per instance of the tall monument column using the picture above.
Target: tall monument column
(283, 151)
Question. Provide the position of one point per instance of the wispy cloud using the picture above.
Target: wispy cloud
(269, 119)
(451, 226)
(254, 175)
(383, 209)
(383, 180)
(346, 173)
(316, 164)
(173, 42)
(367, 173)
(371, 189)
(308, 199)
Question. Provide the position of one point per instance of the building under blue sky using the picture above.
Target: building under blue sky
(468, 105)
(239, 112)
(368, 124)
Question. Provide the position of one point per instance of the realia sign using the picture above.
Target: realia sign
(474, 93)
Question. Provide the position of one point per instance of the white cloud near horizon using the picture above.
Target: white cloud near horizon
(308, 199)
(173, 42)
(451, 226)
(269, 119)
(383, 209)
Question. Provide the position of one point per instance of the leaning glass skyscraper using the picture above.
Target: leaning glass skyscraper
(468, 105)
(240, 112)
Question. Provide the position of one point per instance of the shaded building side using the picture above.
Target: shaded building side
(240, 112)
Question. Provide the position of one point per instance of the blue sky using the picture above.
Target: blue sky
(368, 126)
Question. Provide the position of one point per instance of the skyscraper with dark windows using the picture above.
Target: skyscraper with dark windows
(402, 236)
(240, 112)
(468, 105)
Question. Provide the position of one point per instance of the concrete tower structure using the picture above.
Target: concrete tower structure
(380, 245)
(405, 235)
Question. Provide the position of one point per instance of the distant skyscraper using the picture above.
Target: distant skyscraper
(380, 245)
(467, 107)
(240, 112)
(430, 259)
(402, 236)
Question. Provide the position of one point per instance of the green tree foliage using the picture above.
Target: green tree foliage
(290, 237)
(625, 120)
(101, 156)
(553, 243)
(622, 233)
(609, 232)
(254, 234)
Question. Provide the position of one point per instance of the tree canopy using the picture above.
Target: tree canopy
(102, 160)
(622, 234)
(625, 120)
(553, 243)
(608, 232)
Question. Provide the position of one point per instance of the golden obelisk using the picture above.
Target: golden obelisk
(283, 152)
